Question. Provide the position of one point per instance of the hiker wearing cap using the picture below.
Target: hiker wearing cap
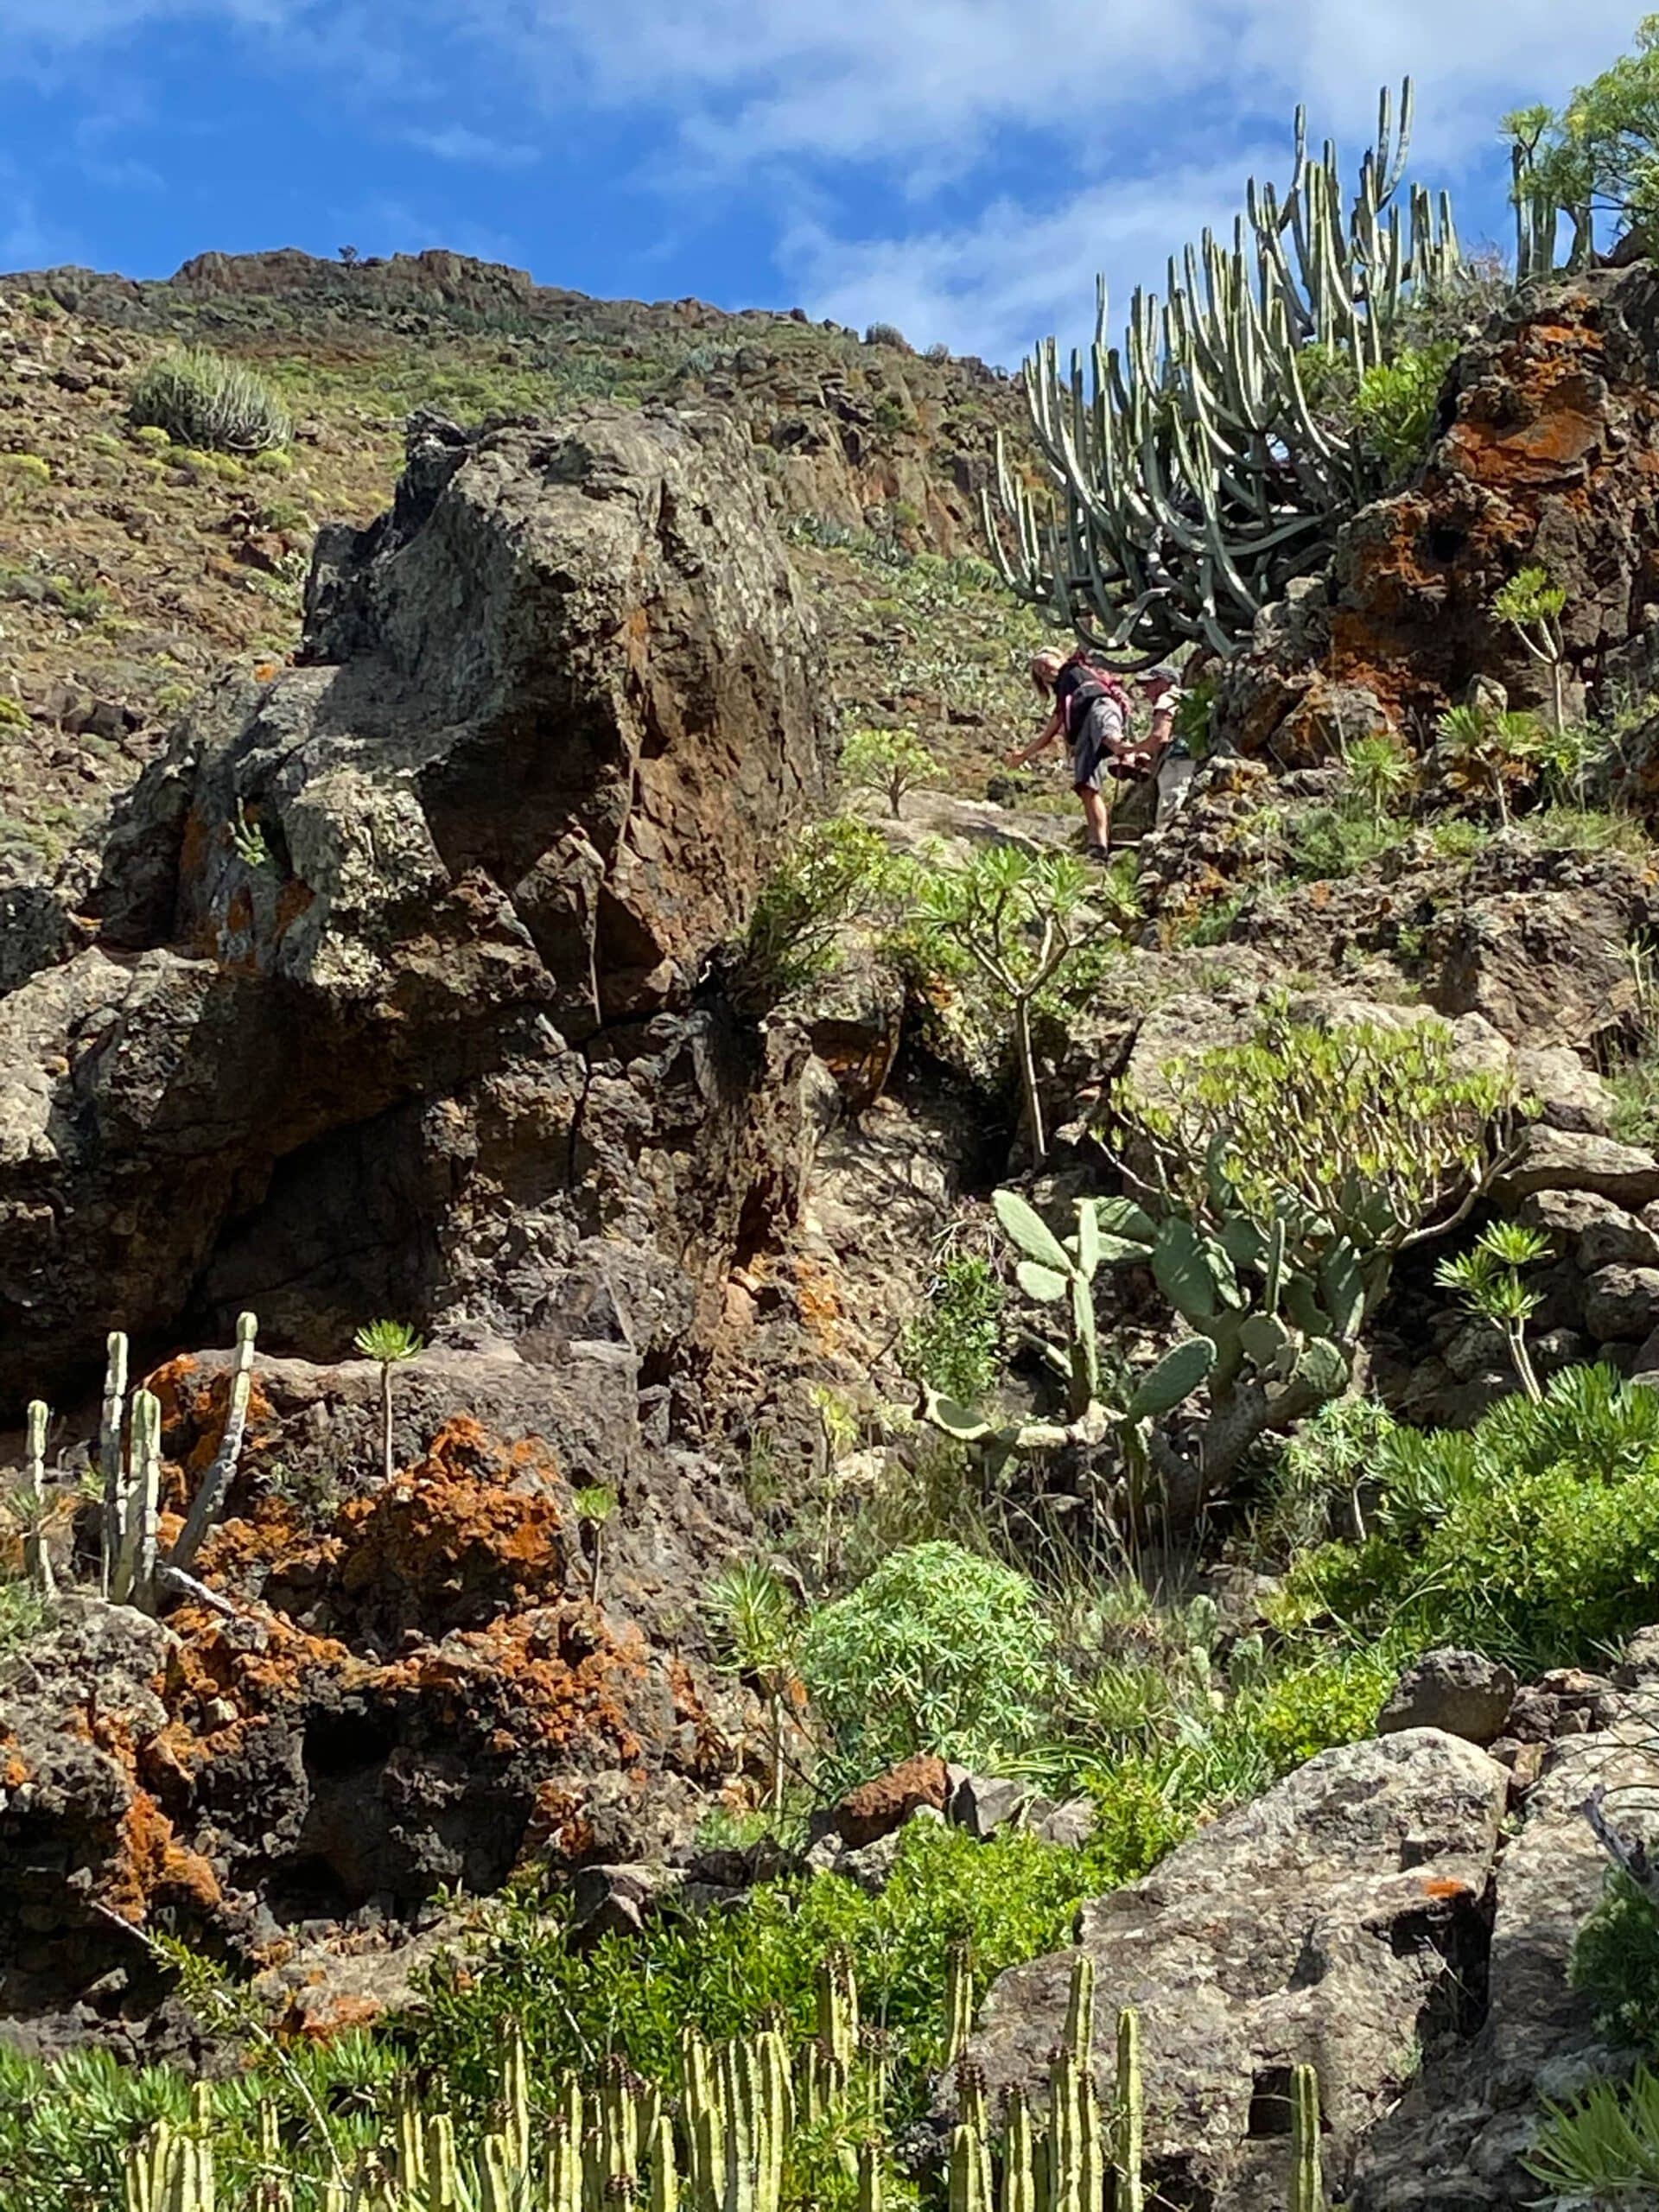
(1092, 712)
(1172, 764)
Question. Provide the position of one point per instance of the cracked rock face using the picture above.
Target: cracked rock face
(383, 995)
(1338, 1919)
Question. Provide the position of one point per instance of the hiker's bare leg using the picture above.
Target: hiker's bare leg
(1097, 813)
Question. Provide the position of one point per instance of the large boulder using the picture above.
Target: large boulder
(1336, 1920)
(385, 993)
(1455, 2143)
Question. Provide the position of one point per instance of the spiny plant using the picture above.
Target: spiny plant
(389, 1343)
(1190, 479)
(132, 1570)
(1488, 1279)
(202, 400)
(754, 2129)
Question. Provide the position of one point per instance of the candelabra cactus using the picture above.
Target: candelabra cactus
(724, 2146)
(1192, 478)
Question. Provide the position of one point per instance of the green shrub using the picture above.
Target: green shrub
(1615, 1963)
(202, 400)
(1534, 1535)
(1395, 403)
(954, 1347)
(838, 872)
(1320, 1470)
(938, 1650)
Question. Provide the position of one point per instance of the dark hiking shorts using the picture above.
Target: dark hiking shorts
(1092, 756)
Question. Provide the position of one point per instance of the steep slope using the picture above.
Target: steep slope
(129, 571)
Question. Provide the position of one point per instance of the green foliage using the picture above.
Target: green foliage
(202, 400)
(889, 762)
(1615, 1963)
(1484, 752)
(954, 1346)
(1488, 1279)
(1600, 153)
(23, 1613)
(1603, 2150)
(938, 1650)
(1019, 920)
(1396, 404)
(1534, 1535)
(1380, 771)
(1319, 1473)
(838, 872)
(1358, 1131)
(1009, 1900)
(390, 1342)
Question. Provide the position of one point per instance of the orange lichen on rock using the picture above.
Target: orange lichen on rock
(152, 1868)
(553, 1680)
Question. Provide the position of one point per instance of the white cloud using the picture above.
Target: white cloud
(457, 143)
(994, 287)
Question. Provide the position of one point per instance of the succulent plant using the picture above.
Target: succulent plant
(1191, 477)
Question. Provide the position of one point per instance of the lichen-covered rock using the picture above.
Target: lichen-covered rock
(390, 1006)
(1548, 421)
(1456, 2140)
(1333, 1922)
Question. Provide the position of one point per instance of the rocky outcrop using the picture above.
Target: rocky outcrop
(1336, 1920)
(400, 1686)
(385, 997)
(1369, 1916)
(1549, 426)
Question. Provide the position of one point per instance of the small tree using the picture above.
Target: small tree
(1599, 155)
(757, 1631)
(390, 1343)
(1020, 920)
(1488, 1280)
(890, 762)
(1532, 607)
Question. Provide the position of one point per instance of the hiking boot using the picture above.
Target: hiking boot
(1100, 854)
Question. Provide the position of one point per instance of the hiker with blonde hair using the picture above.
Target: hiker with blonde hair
(1092, 712)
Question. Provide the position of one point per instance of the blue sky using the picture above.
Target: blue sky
(962, 168)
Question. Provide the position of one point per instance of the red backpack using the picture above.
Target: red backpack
(1098, 682)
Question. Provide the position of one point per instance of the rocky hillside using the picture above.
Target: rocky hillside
(734, 1469)
(131, 570)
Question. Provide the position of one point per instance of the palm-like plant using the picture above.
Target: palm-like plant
(1532, 607)
(1020, 918)
(1487, 1278)
(1380, 771)
(594, 1507)
(757, 1631)
(1483, 751)
(390, 1343)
